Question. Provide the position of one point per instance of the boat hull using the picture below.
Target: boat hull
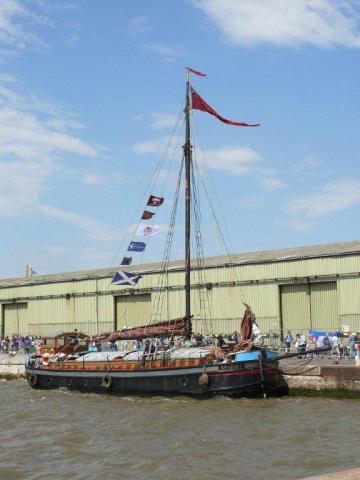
(235, 379)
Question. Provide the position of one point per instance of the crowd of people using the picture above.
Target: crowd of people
(335, 343)
(16, 344)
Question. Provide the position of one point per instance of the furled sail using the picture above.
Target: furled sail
(167, 328)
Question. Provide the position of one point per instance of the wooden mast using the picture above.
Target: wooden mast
(187, 156)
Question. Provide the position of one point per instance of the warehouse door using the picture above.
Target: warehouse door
(295, 307)
(311, 305)
(324, 314)
(16, 319)
(132, 310)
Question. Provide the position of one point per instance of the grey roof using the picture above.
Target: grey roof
(267, 256)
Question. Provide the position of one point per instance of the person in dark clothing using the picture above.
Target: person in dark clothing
(220, 340)
(327, 343)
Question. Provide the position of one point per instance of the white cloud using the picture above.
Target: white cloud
(157, 146)
(64, 123)
(253, 202)
(322, 23)
(162, 120)
(325, 200)
(92, 227)
(170, 54)
(149, 147)
(236, 160)
(73, 38)
(13, 35)
(92, 178)
(137, 26)
(32, 152)
(307, 165)
(271, 183)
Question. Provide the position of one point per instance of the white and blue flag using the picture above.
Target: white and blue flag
(125, 278)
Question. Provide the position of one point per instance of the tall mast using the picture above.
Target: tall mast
(187, 155)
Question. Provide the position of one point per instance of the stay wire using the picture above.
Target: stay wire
(163, 277)
(203, 295)
(150, 185)
(213, 213)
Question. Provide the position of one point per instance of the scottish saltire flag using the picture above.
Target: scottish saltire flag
(125, 278)
(136, 247)
(146, 230)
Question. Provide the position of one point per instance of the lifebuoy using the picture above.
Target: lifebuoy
(32, 380)
(106, 382)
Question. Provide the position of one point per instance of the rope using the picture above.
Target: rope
(214, 216)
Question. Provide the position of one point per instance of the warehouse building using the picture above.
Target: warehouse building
(314, 287)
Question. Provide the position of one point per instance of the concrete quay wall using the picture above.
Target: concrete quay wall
(332, 380)
(12, 366)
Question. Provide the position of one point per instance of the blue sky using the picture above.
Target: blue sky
(90, 91)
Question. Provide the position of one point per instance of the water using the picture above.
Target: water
(67, 435)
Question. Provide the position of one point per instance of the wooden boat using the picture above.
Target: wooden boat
(246, 370)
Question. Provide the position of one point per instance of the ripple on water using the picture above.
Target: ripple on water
(61, 435)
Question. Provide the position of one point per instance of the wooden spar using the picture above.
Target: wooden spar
(298, 354)
(187, 156)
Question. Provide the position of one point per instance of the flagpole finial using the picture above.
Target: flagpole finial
(187, 76)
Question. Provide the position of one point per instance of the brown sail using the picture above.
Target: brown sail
(167, 328)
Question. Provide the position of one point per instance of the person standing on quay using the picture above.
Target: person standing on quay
(288, 340)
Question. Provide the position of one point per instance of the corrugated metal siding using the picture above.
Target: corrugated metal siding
(15, 319)
(349, 295)
(324, 306)
(295, 307)
(133, 310)
(92, 315)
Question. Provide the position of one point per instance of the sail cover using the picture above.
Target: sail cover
(168, 328)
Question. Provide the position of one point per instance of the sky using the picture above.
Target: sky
(90, 92)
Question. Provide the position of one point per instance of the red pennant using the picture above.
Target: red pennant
(200, 74)
(199, 103)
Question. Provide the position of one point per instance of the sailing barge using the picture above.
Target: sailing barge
(246, 370)
(196, 371)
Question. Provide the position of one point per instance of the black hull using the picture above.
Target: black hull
(236, 380)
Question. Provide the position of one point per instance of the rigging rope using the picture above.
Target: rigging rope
(163, 280)
(232, 264)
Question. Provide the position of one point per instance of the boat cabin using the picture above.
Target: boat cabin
(66, 342)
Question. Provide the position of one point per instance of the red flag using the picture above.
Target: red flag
(199, 103)
(200, 74)
(155, 201)
(147, 215)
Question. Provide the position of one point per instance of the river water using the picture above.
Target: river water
(66, 435)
